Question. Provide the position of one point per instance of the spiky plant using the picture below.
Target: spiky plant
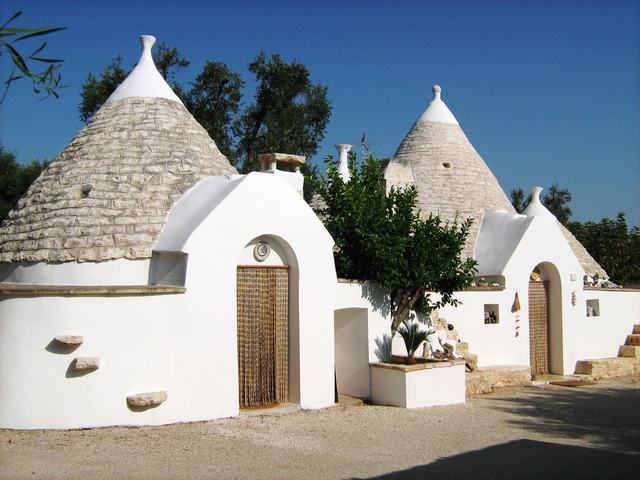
(413, 337)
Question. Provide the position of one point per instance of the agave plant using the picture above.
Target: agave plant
(412, 336)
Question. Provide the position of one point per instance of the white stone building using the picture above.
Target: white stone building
(137, 269)
(143, 281)
(559, 322)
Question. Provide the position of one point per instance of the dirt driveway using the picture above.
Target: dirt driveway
(589, 432)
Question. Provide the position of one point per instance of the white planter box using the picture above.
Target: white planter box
(417, 386)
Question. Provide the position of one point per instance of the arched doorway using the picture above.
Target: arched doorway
(263, 325)
(545, 322)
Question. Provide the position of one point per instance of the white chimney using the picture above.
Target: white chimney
(536, 207)
(343, 166)
(286, 166)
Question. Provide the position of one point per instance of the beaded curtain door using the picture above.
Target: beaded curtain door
(539, 328)
(263, 335)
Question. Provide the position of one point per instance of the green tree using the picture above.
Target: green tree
(614, 245)
(15, 179)
(96, 91)
(557, 202)
(289, 113)
(46, 81)
(518, 199)
(214, 100)
(168, 61)
(382, 238)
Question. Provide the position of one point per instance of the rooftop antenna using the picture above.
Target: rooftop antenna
(364, 145)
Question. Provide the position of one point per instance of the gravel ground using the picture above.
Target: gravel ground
(548, 432)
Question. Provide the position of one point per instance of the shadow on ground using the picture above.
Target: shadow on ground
(521, 459)
(606, 417)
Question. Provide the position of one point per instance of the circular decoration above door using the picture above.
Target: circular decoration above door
(261, 251)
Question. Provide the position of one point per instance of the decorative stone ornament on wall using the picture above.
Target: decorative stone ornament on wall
(261, 251)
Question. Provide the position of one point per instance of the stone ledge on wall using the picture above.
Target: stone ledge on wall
(147, 399)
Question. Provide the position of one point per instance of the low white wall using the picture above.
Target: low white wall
(144, 344)
(507, 342)
(600, 337)
(418, 388)
(495, 344)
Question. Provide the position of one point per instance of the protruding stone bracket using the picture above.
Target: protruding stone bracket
(269, 162)
(146, 400)
(81, 364)
(69, 340)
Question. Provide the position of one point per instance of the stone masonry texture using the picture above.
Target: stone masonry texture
(108, 193)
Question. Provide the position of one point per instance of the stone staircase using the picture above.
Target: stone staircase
(626, 363)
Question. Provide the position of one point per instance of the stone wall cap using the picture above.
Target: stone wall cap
(282, 158)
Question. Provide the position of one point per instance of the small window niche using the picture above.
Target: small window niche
(593, 308)
(491, 313)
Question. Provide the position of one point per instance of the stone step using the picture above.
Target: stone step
(636, 328)
(608, 367)
(487, 379)
(633, 339)
(629, 351)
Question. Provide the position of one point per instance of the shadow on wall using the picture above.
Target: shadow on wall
(377, 297)
(60, 348)
(522, 459)
(607, 417)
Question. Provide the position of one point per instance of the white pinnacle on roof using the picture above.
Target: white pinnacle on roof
(535, 207)
(144, 80)
(437, 111)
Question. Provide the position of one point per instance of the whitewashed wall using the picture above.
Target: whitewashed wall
(184, 344)
(574, 336)
(600, 337)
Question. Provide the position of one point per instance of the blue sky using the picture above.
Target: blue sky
(547, 91)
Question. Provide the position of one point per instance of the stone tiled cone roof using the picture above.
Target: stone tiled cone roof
(453, 180)
(107, 194)
(591, 267)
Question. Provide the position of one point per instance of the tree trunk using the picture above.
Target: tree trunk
(402, 309)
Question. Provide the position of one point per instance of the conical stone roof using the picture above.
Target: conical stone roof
(453, 181)
(108, 193)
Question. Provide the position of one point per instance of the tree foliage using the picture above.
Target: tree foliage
(15, 179)
(45, 81)
(96, 91)
(289, 113)
(557, 202)
(214, 100)
(518, 199)
(614, 245)
(382, 238)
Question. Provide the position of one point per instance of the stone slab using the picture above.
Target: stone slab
(147, 399)
(633, 339)
(608, 367)
(69, 339)
(629, 351)
(86, 363)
